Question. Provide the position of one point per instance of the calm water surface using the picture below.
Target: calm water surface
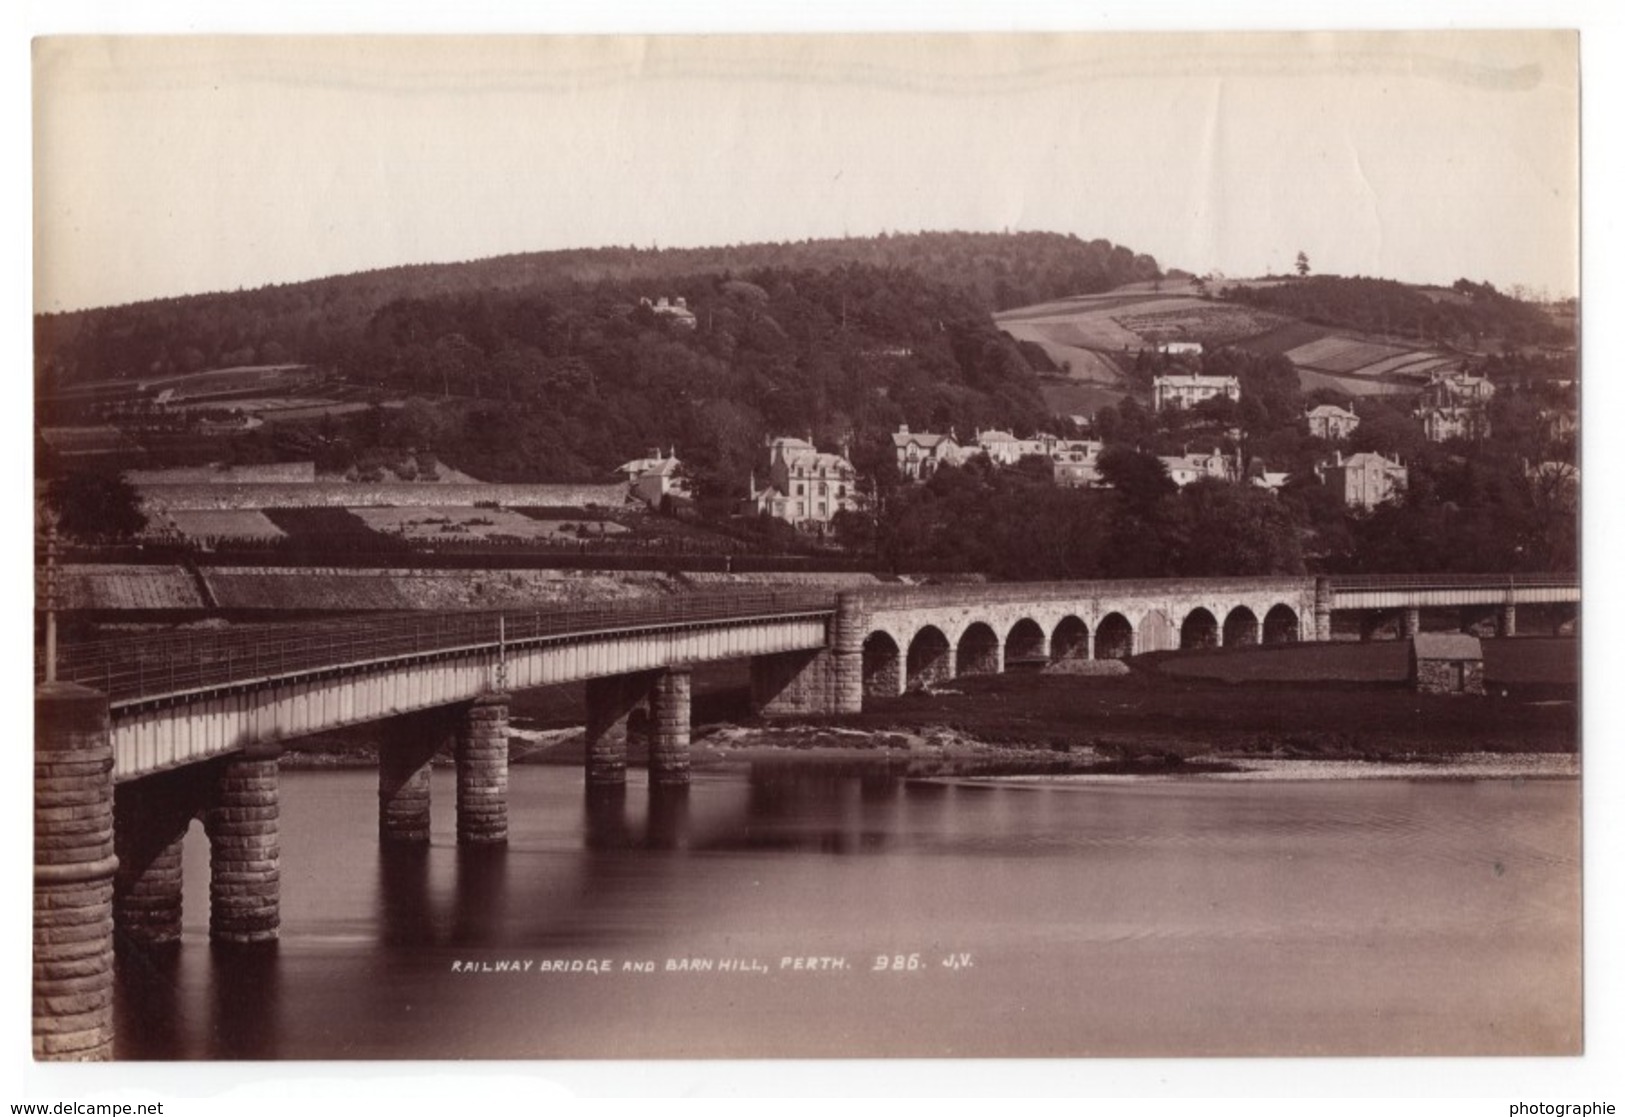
(1168, 918)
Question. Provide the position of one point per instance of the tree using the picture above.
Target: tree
(1141, 479)
(1302, 264)
(95, 506)
(1237, 530)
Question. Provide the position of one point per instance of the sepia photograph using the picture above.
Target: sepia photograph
(822, 546)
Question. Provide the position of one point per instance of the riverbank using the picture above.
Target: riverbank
(1050, 724)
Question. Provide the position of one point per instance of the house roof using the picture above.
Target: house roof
(645, 467)
(1331, 410)
(1446, 645)
(924, 441)
(1367, 458)
(1195, 379)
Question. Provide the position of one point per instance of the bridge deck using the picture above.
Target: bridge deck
(138, 669)
(144, 668)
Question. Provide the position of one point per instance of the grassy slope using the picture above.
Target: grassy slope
(1087, 331)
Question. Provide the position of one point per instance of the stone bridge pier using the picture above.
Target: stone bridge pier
(666, 698)
(74, 863)
(476, 735)
(828, 680)
(236, 798)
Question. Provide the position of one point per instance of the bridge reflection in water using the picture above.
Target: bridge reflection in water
(1139, 918)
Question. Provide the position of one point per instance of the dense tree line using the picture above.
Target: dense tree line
(1467, 315)
(567, 385)
(1015, 523)
(319, 321)
(1507, 503)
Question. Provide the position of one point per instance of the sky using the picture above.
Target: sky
(168, 166)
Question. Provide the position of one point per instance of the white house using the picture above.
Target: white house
(1180, 390)
(804, 487)
(655, 477)
(1331, 422)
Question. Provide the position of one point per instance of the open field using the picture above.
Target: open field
(1082, 365)
(1134, 321)
(1309, 380)
(1068, 397)
(1084, 330)
(1341, 354)
(1083, 334)
(1287, 336)
(478, 523)
(234, 523)
(323, 523)
(1401, 363)
(187, 385)
(1113, 300)
(1212, 323)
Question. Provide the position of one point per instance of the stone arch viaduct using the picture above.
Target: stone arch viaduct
(137, 738)
(918, 635)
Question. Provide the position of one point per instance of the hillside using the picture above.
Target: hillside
(319, 321)
(565, 383)
(1356, 337)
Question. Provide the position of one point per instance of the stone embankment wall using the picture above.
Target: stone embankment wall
(268, 473)
(338, 494)
(338, 590)
(314, 589)
(121, 587)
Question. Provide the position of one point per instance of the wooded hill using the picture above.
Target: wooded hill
(320, 321)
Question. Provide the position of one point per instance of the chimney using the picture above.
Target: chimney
(902, 428)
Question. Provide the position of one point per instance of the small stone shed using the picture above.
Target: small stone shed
(1447, 663)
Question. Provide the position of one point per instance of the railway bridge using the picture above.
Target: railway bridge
(137, 738)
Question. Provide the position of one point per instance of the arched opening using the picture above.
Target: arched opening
(1024, 647)
(637, 725)
(1114, 638)
(930, 657)
(882, 667)
(1199, 630)
(1157, 632)
(1280, 626)
(979, 651)
(1070, 640)
(1240, 628)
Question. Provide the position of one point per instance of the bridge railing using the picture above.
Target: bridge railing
(1049, 591)
(148, 666)
(1353, 583)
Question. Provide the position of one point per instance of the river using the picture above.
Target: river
(749, 916)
